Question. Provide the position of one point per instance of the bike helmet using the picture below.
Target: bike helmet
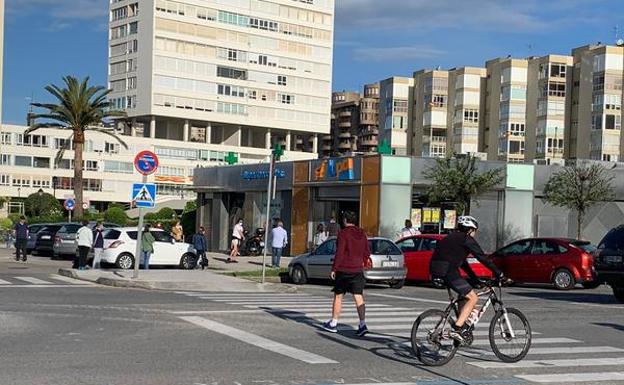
(466, 222)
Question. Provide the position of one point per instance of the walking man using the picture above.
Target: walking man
(21, 239)
(238, 234)
(84, 239)
(279, 240)
(147, 246)
(352, 257)
(98, 244)
(199, 243)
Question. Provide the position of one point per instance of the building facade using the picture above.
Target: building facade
(345, 120)
(429, 116)
(464, 109)
(242, 73)
(368, 134)
(395, 99)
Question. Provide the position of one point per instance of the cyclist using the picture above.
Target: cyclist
(448, 257)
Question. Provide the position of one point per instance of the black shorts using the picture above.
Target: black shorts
(349, 283)
(451, 277)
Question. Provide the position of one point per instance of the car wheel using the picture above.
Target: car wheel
(397, 284)
(618, 292)
(298, 275)
(563, 279)
(125, 261)
(187, 262)
(591, 284)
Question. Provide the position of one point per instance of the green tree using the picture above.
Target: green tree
(166, 213)
(457, 179)
(45, 204)
(80, 108)
(116, 215)
(578, 188)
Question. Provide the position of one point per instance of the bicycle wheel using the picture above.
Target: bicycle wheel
(504, 346)
(430, 340)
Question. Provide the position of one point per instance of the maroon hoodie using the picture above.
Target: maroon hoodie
(352, 250)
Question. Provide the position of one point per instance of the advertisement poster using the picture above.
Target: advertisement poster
(450, 219)
(416, 218)
(431, 215)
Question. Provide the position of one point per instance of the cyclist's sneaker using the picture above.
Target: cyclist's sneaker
(459, 334)
(328, 326)
(362, 330)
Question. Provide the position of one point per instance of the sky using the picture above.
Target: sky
(374, 39)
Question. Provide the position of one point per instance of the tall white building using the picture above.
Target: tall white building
(395, 98)
(241, 73)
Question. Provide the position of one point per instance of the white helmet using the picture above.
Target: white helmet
(466, 221)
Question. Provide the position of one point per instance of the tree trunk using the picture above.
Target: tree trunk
(78, 148)
(466, 207)
(579, 223)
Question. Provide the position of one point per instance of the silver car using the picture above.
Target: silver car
(65, 240)
(388, 263)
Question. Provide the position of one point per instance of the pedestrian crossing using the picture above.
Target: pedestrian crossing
(49, 281)
(551, 359)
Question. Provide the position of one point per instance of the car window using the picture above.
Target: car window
(112, 234)
(585, 246)
(161, 236)
(409, 244)
(132, 234)
(51, 229)
(541, 246)
(327, 248)
(70, 228)
(33, 229)
(521, 247)
(428, 244)
(383, 247)
(613, 240)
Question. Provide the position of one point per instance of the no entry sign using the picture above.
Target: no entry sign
(146, 162)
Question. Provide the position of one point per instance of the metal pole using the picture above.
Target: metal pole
(268, 214)
(69, 215)
(138, 249)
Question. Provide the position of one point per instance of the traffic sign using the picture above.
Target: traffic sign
(146, 162)
(69, 204)
(144, 195)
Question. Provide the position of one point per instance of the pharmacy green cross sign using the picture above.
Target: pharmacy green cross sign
(278, 151)
(231, 158)
(384, 148)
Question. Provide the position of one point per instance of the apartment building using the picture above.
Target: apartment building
(549, 86)
(595, 119)
(345, 120)
(395, 99)
(368, 134)
(429, 115)
(502, 129)
(464, 109)
(237, 73)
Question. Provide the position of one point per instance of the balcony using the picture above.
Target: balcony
(344, 124)
(345, 135)
(344, 145)
(369, 142)
(345, 114)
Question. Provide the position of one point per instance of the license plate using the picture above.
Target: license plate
(613, 259)
(46, 237)
(389, 263)
(261, 244)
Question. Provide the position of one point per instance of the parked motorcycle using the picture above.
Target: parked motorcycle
(253, 245)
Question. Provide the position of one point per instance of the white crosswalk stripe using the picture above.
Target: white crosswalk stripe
(3, 282)
(52, 281)
(34, 280)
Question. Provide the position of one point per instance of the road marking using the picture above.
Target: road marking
(63, 278)
(297, 307)
(550, 363)
(237, 295)
(278, 303)
(566, 378)
(260, 342)
(34, 280)
(407, 298)
(3, 282)
(544, 340)
(198, 312)
(474, 333)
(557, 350)
(399, 312)
(35, 286)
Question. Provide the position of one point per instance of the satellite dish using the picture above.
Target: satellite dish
(619, 42)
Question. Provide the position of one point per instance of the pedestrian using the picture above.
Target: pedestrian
(84, 240)
(408, 230)
(333, 228)
(20, 231)
(279, 240)
(147, 246)
(320, 236)
(352, 257)
(177, 232)
(98, 244)
(199, 243)
(8, 238)
(238, 234)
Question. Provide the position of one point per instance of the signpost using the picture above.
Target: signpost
(143, 195)
(276, 154)
(70, 205)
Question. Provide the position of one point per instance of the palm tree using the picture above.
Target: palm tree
(80, 108)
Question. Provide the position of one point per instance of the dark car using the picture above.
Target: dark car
(32, 236)
(609, 261)
(563, 262)
(44, 244)
(65, 240)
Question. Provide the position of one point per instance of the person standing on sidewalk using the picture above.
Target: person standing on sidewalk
(352, 257)
(238, 234)
(177, 232)
(279, 240)
(21, 239)
(320, 236)
(98, 244)
(84, 239)
(147, 246)
(199, 243)
(333, 228)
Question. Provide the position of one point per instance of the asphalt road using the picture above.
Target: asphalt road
(58, 331)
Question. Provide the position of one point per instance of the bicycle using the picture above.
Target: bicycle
(432, 327)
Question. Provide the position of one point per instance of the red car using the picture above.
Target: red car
(418, 250)
(561, 261)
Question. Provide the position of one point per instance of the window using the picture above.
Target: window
(612, 122)
(281, 80)
(409, 245)
(554, 89)
(23, 161)
(232, 73)
(517, 248)
(134, 27)
(64, 164)
(91, 165)
(21, 181)
(233, 18)
(383, 247)
(118, 167)
(5, 159)
(438, 101)
(40, 162)
(5, 180)
(111, 148)
(236, 91)
(471, 116)
(428, 244)
(516, 147)
(6, 138)
(557, 70)
(597, 122)
(60, 143)
(541, 247)
(286, 98)
(327, 248)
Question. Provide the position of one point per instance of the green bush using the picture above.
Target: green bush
(14, 217)
(116, 215)
(166, 213)
(42, 205)
(5, 224)
(48, 219)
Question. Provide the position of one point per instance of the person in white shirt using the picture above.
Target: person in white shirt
(238, 234)
(408, 230)
(279, 240)
(320, 236)
(84, 240)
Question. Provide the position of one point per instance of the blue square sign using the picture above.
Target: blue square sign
(144, 195)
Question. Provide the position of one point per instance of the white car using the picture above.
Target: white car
(120, 246)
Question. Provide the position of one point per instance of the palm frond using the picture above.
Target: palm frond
(66, 146)
(109, 132)
(37, 126)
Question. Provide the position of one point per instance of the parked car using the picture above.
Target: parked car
(561, 261)
(388, 263)
(65, 240)
(44, 242)
(32, 236)
(418, 250)
(120, 248)
(609, 261)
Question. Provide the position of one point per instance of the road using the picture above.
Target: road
(59, 331)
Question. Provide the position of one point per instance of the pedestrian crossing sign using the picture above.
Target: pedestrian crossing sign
(144, 195)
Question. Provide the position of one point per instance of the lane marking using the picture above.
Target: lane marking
(407, 298)
(237, 295)
(353, 312)
(63, 278)
(544, 340)
(474, 333)
(279, 303)
(551, 363)
(261, 342)
(3, 282)
(554, 350)
(198, 312)
(566, 378)
(34, 280)
(296, 307)
(35, 286)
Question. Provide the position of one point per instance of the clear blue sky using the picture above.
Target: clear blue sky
(374, 39)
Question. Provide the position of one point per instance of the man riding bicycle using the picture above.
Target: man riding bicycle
(448, 257)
